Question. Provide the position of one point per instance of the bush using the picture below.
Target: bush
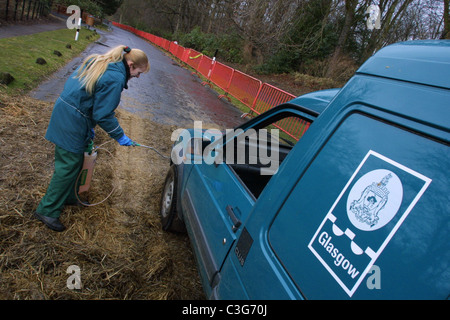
(282, 62)
(228, 46)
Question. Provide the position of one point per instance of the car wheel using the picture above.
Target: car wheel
(168, 210)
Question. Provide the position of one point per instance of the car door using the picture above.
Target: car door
(226, 179)
(214, 203)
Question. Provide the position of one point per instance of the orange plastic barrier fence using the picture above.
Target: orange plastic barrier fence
(257, 96)
(173, 48)
(269, 97)
(194, 58)
(221, 75)
(205, 66)
(244, 88)
(182, 54)
(293, 126)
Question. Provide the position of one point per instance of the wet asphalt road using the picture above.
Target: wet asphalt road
(168, 94)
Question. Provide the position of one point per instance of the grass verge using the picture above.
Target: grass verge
(19, 54)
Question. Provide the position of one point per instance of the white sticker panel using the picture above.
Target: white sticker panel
(366, 215)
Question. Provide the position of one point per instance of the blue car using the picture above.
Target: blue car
(352, 205)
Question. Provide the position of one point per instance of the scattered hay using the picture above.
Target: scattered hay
(118, 245)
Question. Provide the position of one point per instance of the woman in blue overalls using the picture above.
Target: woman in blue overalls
(90, 97)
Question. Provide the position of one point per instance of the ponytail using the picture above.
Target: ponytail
(95, 65)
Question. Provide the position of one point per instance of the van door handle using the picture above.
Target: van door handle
(236, 222)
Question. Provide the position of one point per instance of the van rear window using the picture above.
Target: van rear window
(375, 196)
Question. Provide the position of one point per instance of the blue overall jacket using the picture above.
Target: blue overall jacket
(76, 112)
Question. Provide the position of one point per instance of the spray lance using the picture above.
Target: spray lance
(135, 144)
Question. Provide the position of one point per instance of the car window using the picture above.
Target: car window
(256, 154)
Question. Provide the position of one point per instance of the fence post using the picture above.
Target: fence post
(252, 107)
(227, 88)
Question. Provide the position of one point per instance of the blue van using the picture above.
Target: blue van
(357, 208)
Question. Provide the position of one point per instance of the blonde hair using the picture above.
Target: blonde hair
(95, 65)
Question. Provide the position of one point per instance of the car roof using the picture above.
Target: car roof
(316, 101)
(419, 61)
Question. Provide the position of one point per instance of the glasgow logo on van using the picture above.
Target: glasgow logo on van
(367, 213)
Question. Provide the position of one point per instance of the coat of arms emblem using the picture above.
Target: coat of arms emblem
(372, 201)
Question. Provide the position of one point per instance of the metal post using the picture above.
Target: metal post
(78, 29)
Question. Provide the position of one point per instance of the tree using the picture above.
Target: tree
(350, 9)
(446, 31)
(290, 35)
(100, 8)
(109, 7)
(392, 14)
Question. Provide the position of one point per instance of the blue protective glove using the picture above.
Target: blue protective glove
(125, 141)
(92, 134)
